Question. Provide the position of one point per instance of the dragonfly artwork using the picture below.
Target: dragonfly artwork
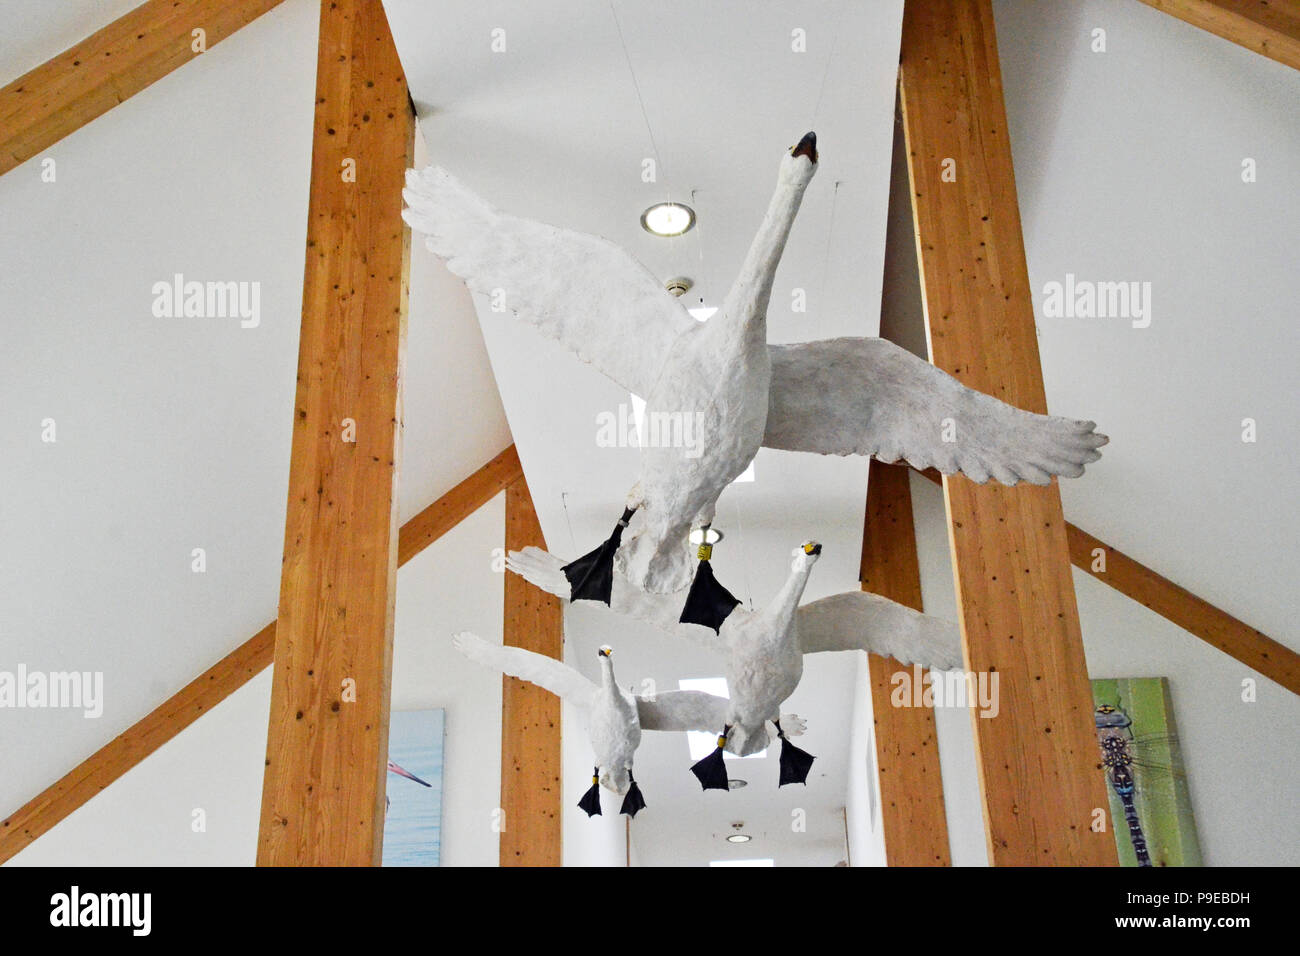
(1150, 804)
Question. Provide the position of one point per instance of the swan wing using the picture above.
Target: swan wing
(862, 621)
(868, 396)
(579, 289)
(682, 710)
(546, 672)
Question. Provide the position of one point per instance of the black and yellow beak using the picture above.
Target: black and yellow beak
(812, 548)
(806, 147)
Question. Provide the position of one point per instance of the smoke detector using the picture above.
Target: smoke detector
(679, 286)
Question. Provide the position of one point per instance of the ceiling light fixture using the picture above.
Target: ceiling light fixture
(735, 783)
(668, 219)
(699, 536)
(702, 312)
(739, 838)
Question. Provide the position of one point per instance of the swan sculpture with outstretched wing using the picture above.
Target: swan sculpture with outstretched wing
(614, 717)
(763, 650)
(846, 396)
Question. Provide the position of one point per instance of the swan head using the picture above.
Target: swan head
(805, 556)
(798, 168)
(605, 655)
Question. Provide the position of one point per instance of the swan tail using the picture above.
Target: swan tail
(542, 569)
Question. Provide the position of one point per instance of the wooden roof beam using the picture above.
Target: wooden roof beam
(111, 65)
(531, 788)
(907, 746)
(1037, 758)
(1270, 28)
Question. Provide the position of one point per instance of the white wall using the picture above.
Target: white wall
(174, 434)
(1242, 759)
(216, 763)
(863, 821)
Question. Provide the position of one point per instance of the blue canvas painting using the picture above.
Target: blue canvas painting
(413, 825)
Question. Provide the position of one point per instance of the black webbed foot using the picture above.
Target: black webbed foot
(591, 577)
(590, 801)
(633, 801)
(712, 770)
(795, 763)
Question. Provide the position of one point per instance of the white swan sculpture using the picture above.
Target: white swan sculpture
(763, 650)
(614, 717)
(844, 396)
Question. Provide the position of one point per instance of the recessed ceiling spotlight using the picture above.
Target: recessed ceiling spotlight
(739, 838)
(698, 536)
(735, 783)
(668, 219)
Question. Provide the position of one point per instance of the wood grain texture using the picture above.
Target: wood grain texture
(1201, 618)
(327, 746)
(222, 679)
(531, 790)
(1037, 759)
(1270, 28)
(64, 94)
(907, 747)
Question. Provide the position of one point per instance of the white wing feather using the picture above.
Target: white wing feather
(868, 396)
(860, 620)
(545, 672)
(580, 289)
(682, 710)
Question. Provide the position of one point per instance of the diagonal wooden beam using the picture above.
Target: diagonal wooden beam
(1038, 757)
(40, 814)
(907, 746)
(1201, 618)
(64, 94)
(1198, 617)
(1270, 28)
(531, 789)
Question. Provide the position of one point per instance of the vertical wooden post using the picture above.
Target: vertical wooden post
(323, 792)
(907, 748)
(1038, 757)
(531, 790)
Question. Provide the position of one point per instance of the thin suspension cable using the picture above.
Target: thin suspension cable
(830, 235)
(564, 500)
(654, 145)
(839, 23)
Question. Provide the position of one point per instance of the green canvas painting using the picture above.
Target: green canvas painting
(1150, 809)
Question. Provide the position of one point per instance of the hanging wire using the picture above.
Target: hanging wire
(564, 500)
(821, 90)
(824, 291)
(654, 145)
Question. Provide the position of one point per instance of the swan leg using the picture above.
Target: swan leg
(708, 602)
(712, 771)
(591, 577)
(795, 763)
(633, 801)
(590, 801)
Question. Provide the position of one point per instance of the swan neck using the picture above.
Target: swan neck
(607, 674)
(783, 606)
(753, 286)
